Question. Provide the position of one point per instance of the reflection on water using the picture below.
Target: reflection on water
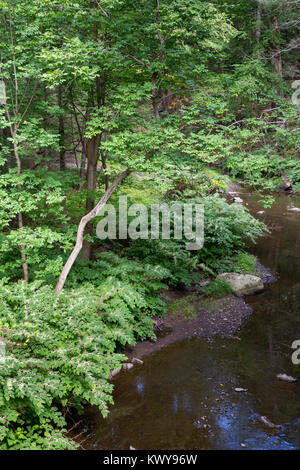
(140, 385)
(183, 396)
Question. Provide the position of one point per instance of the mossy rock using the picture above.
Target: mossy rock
(242, 284)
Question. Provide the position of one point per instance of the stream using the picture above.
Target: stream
(183, 396)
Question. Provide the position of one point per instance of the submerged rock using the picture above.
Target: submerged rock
(135, 360)
(127, 366)
(286, 378)
(242, 284)
(268, 423)
(238, 200)
(264, 273)
(113, 373)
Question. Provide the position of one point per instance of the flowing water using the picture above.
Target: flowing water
(183, 396)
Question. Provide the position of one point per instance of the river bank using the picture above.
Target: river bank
(191, 315)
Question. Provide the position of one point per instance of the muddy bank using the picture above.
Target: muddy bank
(191, 315)
(222, 317)
(265, 274)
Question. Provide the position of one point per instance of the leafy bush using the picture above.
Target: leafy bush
(246, 262)
(263, 168)
(227, 229)
(129, 288)
(170, 255)
(59, 352)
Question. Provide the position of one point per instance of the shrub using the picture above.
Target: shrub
(227, 229)
(59, 352)
(246, 262)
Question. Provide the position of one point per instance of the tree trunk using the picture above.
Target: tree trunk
(84, 221)
(104, 166)
(155, 95)
(61, 131)
(92, 155)
(20, 215)
(277, 50)
(22, 247)
(83, 158)
(14, 129)
(156, 92)
(258, 24)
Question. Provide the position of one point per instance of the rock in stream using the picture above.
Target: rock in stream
(242, 284)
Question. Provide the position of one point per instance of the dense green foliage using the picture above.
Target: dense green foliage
(184, 94)
(60, 349)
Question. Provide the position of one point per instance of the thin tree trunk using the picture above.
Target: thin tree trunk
(156, 92)
(277, 50)
(104, 166)
(258, 24)
(155, 95)
(20, 216)
(61, 131)
(22, 247)
(84, 221)
(83, 158)
(92, 154)
(83, 140)
(14, 129)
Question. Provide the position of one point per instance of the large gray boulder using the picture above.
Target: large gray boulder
(242, 284)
